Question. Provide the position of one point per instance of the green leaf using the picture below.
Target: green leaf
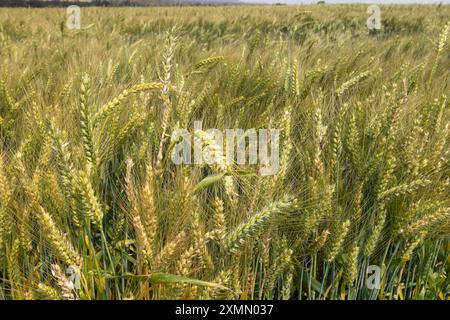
(209, 180)
(156, 278)
(315, 284)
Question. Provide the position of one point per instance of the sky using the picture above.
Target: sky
(350, 1)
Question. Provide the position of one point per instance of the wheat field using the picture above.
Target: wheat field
(92, 207)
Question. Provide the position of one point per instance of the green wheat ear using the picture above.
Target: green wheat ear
(254, 226)
(209, 62)
(336, 240)
(85, 122)
(59, 242)
(88, 201)
(5, 197)
(440, 48)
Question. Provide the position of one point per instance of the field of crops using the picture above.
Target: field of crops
(93, 207)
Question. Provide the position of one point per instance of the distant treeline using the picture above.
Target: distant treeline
(39, 4)
(36, 3)
(57, 3)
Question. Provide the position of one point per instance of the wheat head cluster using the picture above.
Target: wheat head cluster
(92, 207)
